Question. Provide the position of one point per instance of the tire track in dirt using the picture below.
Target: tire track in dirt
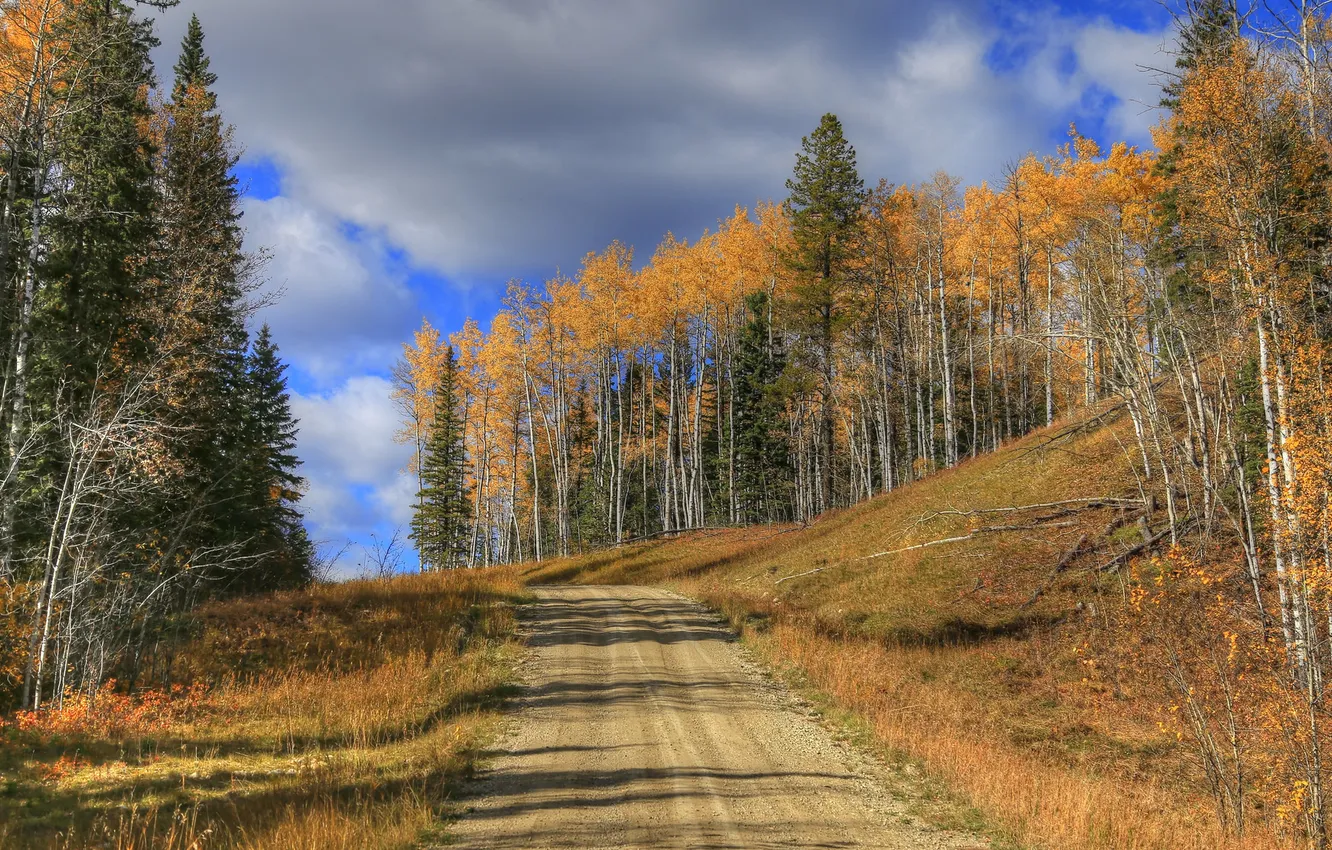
(641, 725)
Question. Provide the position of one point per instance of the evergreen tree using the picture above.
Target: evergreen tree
(441, 527)
(87, 332)
(827, 196)
(1205, 38)
(279, 538)
(203, 281)
(1210, 29)
(589, 499)
(150, 447)
(96, 275)
(763, 473)
(192, 69)
(200, 205)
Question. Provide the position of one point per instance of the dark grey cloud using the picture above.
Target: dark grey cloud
(486, 136)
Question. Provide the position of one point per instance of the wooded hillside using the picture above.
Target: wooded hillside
(810, 355)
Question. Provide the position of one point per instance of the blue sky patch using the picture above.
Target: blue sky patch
(1090, 117)
(259, 178)
(1136, 15)
(448, 304)
(301, 381)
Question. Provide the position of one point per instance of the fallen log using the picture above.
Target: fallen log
(1124, 557)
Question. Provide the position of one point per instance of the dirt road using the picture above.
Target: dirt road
(643, 726)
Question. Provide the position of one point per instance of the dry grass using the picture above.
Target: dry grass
(356, 710)
(925, 596)
(943, 653)
(329, 826)
(1040, 801)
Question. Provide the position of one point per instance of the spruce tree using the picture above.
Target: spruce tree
(763, 472)
(87, 331)
(96, 278)
(1211, 28)
(826, 201)
(282, 547)
(589, 498)
(1205, 39)
(192, 69)
(441, 526)
(203, 281)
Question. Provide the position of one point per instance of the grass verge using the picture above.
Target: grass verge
(983, 779)
(924, 796)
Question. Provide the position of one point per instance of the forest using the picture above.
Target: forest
(146, 435)
(811, 354)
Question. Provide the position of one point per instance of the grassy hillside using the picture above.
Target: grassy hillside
(983, 646)
(338, 717)
(972, 624)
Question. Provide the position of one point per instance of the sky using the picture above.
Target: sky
(405, 159)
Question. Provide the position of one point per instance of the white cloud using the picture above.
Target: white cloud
(938, 107)
(1127, 63)
(339, 307)
(493, 137)
(351, 460)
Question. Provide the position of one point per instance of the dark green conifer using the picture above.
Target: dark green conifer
(192, 69)
(826, 201)
(1211, 27)
(762, 468)
(282, 546)
(204, 275)
(1205, 38)
(88, 333)
(97, 268)
(441, 526)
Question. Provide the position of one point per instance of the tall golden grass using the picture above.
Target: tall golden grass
(339, 717)
(1041, 803)
(324, 824)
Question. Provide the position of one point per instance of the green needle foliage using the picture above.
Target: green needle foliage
(441, 527)
(826, 201)
(149, 448)
(761, 450)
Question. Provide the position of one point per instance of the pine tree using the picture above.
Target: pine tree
(441, 525)
(283, 549)
(827, 196)
(1205, 38)
(763, 473)
(1210, 29)
(588, 496)
(96, 272)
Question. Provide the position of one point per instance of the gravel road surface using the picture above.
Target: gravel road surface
(643, 725)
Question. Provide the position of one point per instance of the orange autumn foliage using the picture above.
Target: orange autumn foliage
(110, 715)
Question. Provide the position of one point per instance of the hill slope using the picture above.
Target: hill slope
(971, 622)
